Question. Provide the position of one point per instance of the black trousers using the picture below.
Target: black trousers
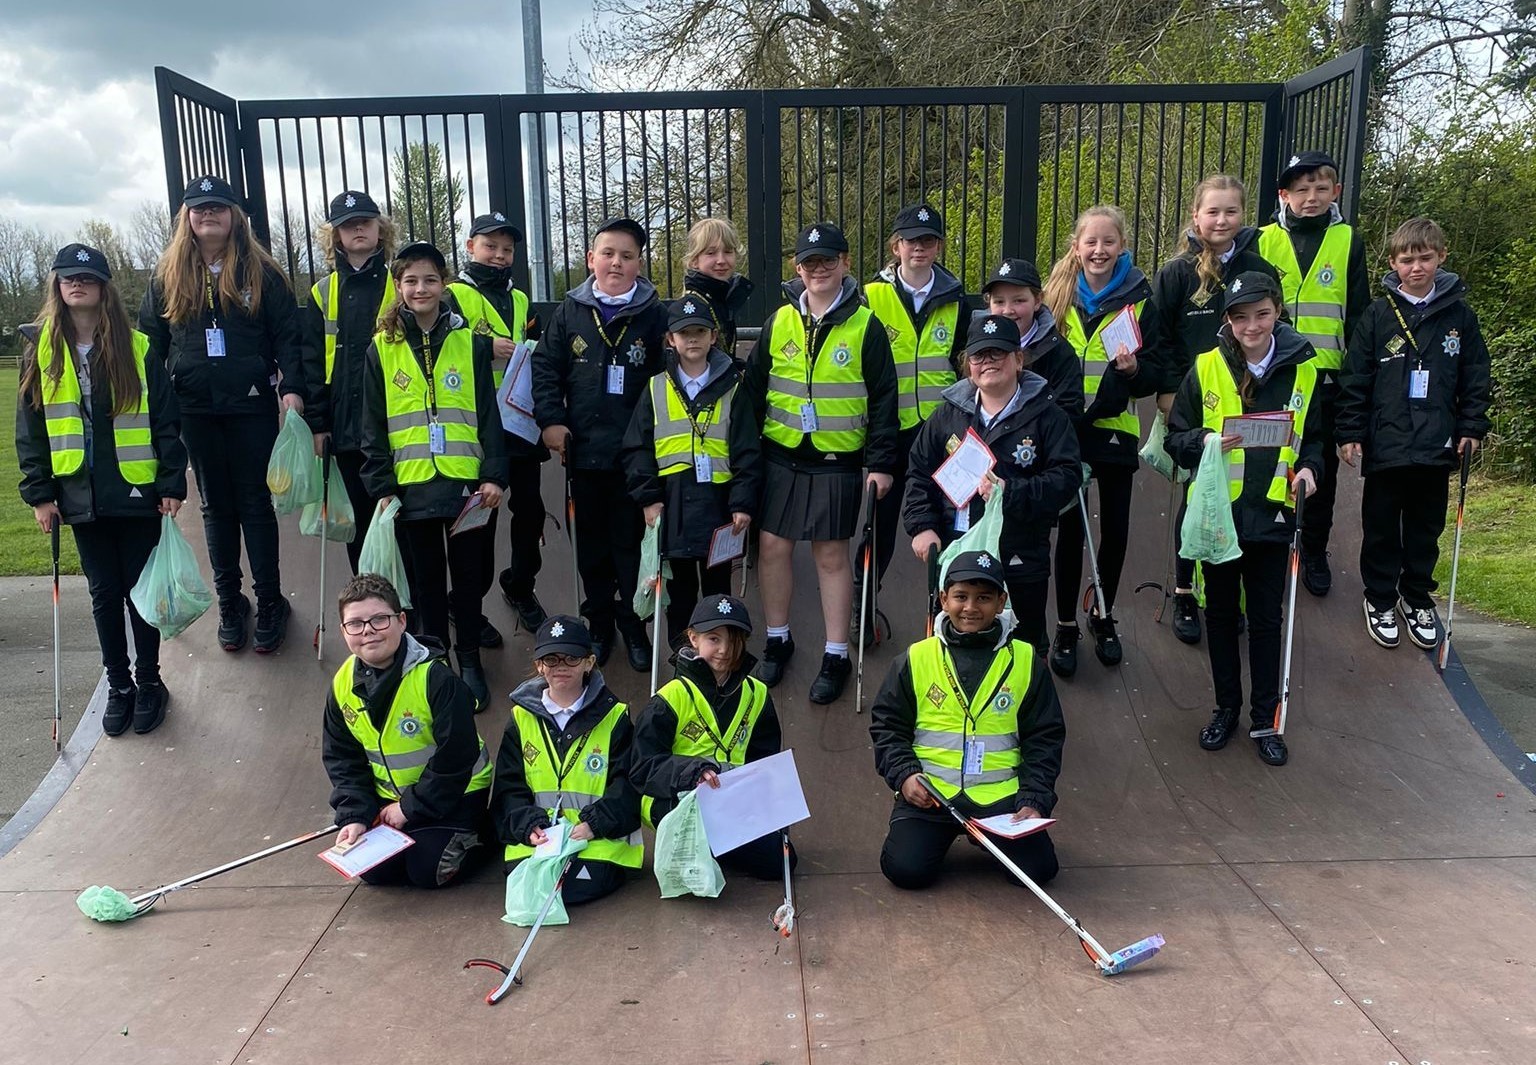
(1028, 599)
(584, 881)
(917, 841)
(691, 581)
(349, 464)
(1184, 568)
(112, 554)
(229, 456)
(1318, 514)
(888, 511)
(1260, 575)
(429, 552)
(1402, 516)
(525, 522)
(761, 858)
(441, 854)
(1114, 536)
(609, 526)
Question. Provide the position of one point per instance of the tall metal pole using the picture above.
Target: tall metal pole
(538, 163)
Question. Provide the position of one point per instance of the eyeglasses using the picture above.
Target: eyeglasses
(569, 661)
(818, 264)
(79, 281)
(377, 623)
(988, 355)
(208, 208)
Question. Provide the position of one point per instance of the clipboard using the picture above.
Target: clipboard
(1271, 429)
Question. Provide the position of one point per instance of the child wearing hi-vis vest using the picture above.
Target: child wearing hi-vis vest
(495, 307)
(974, 712)
(335, 328)
(1259, 365)
(693, 458)
(710, 718)
(399, 742)
(565, 756)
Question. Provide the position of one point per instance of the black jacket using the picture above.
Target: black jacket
(1037, 461)
(879, 452)
(262, 357)
(97, 489)
(946, 290)
(1307, 237)
(1187, 319)
(1116, 389)
(499, 296)
(513, 811)
(441, 497)
(663, 775)
(694, 511)
(340, 407)
(1374, 408)
(1258, 518)
(1041, 729)
(726, 299)
(570, 370)
(438, 798)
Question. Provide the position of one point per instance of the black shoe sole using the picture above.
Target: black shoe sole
(1066, 669)
(1187, 635)
(823, 699)
(1107, 659)
(1259, 750)
(1206, 745)
(119, 728)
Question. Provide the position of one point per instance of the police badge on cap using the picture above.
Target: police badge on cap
(81, 260)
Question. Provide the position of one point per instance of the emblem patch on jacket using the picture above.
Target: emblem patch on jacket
(892, 332)
(790, 348)
(693, 730)
(636, 353)
(453, 380)
(348, 714)
(935, 695)
(402, 380)
(1004, 701)
(530, 752)
(596, 763)
(1212, 401)
(409, 726)
(1024, 453)
(940, 334)
(1325, 275)
(1452, 344)
(578, 346)
(842, 355)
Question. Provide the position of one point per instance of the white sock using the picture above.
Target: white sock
(778, 632)
(839, 649)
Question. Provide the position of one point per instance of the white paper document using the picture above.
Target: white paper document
(515, 396)
(725, 545)
(752, 800)
(554, 839)
(1259, 431)
(960, 476)
(1122, 329)
(378, 844)
(1004, 825)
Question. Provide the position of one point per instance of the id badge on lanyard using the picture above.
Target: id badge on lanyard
(1418, 384)
(703, 469)
(975, 750)
(809, 423)
(437, 438)
(615, 380)
(215, 341)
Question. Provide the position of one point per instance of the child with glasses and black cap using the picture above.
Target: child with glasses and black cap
(712, 717)
(1037, 470)
(566, 757)
(972, 711)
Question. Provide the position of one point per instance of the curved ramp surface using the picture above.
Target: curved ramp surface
(1368, 903)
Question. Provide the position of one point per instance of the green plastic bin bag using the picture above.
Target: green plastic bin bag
(684, 865)
(1154, 454)
(293, 474)
(530, 883)
(381, 553)
(646, 593)
(1209, 533)
(170, 593)
(986, 535)
(340, 518)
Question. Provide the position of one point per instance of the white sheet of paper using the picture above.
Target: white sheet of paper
(1005, 826)
(960, 475)
(1122, 329)
(473, 516)
(726, 545)
(752, 800)
(556, 834)
(378, 844)
(515, 396)
(1258, 432)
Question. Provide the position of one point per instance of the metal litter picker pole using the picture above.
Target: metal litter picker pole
(933, 588)
(865, 591)
(58, 672)
(570, 525)
(1294, 562)
(514, 973)
(784, 916)
(656, 620)
(1108, 964)
(1450, 610)
(1093, 554)
(325, 528)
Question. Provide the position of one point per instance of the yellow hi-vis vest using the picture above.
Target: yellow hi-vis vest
(65, 414)
(328, 299)
(412, 409)
(1315, 301)
(833, 383)
(946, 721)
(1221, 401)
(565, 788)
(696, 736)
(400, 752)
(1090, 349)
(923, 366)
(680, 439)
(485, 320)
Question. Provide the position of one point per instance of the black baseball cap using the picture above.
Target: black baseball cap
(493, 223)
(1014, 272)
(992, 331)
(719, 612)
(422, 249)
(1305, 163)
(690, 310)
(562, 634)
(349, 205)
(624, 225)
(980, 566)
(919, 220)
(820, 240)
(1250, 286)
(209, 189)
(76, 260)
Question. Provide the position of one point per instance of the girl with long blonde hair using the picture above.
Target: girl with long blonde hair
(713, 253)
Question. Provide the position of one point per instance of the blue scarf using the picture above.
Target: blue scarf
(1089, 300)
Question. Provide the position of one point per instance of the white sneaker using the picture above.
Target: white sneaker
(1382, 625)
(1423, 626)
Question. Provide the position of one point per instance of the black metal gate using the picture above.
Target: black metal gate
(1010, 166)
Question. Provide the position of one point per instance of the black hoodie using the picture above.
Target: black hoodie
(1374, 408)
(726, 299)
(1257, 517)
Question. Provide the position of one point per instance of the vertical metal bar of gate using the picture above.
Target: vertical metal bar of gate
(1021, 204)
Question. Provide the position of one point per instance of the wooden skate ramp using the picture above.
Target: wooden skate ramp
(1368, 903)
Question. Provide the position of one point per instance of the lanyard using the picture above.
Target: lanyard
(571, 758)
(426, 357)
(965, 704)
(700, 421)
(612, 345)
(1412, 341)
(208, 291)
(741, 705)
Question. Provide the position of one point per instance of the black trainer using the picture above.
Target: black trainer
(119, 712)
(776, 656)
(637, 645)
(1186, 617)
(1064, 650)
(530, 612)
(1106, 641)
(473, 676)
(1316, 577)
(1215, 735)
(271, 624)
(832, 679)
(149, 708)
(490, 635)
(1423, 625)
(1381, 625)
(234, 623)
(1272, 750)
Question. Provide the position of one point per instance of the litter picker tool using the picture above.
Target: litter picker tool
(933, 587)
(570, 523)
(325, 529)
(1445, 642)
(784, 916)
(108, 904)
(1169, 578)
(1108, 964)
(656, 611)
(514, 974)
(1294, 563)
(866, 590)
(1095, 591)
(58, 672)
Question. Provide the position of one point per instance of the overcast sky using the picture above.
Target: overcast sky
(79, 132)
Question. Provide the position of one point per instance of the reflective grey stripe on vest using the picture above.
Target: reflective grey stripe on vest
(716, 464)
(410, 760)
(130, 421)
(929, 363)
(68, 442)
(135, 453)
(61, 410)
(952, 776)
(823, 423)
(796, 387)
(452, 449)
(417, 418)
(574, 800)
(992, 743)
(1319, 310)
(1323, 340)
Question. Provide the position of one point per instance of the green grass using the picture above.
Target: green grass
(1498, 551)
(23, 547)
